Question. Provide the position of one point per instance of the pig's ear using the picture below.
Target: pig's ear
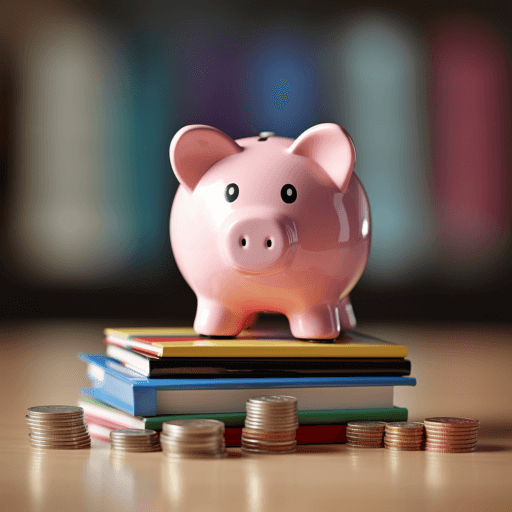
(331, 147)
(195, 148)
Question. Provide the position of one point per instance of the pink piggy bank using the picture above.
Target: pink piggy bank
(269, 224)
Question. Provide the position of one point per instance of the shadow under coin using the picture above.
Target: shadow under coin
(319, 448)
(492, 448)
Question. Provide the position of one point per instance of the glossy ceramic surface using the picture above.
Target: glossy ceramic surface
(269, 225)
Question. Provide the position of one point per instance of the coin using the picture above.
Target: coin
(455, 423)
(132, 432)
(57, 427)
(456, 437)
(450, 450)
(452, 431)
(268, 436)
(403, 445)
(194, 438)
(60, 444)
(148, 449)
(134, 440)
(404, 435)
(60, 447)
(56, 410)
(193, 427)
(407, 425)
(44, 437)
(365, 435)
(273, 399)
(401, 448)
(54, 421)
(270, 425)
(366, 425)
(365, 443)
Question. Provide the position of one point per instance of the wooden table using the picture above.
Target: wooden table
(462, 370)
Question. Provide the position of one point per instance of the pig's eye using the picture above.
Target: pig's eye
(288, 193)
(232, 192)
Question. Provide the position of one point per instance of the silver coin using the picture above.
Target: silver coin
(138, 442)
(55, 410)
(260, 442)
(147, 449)
(63, 437)
(193, 426)
(194, 456)
(59, 440)
(268, 425)
(54, 421)
(59, 428)
(206, 442)
(402, 442)
(404, 438)
(132, 432)
(183, 438)
(63, 446)
(78, 447)
(404, 425)
(402, 448)
(365, 433)
(60, 424)
(268, 452)
(273, 399)
(278, 412)
(193, 452)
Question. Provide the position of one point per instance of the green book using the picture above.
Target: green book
(104, 415)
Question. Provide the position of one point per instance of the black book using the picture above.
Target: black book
(151, 366)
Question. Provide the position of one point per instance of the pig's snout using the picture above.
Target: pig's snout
(260, 246)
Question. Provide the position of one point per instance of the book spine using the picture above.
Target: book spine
(140, 399)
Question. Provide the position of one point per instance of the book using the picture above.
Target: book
(183, 342)
(158, 367)
(131, 392)
(102, 414)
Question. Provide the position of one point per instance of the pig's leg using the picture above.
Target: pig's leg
(318, 323)
(347, 317)
(214, 319)
(250, 321)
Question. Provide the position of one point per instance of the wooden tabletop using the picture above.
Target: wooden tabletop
(462, 370)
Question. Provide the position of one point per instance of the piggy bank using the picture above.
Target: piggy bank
(269, 224)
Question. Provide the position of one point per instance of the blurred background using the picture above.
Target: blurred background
(91, 93)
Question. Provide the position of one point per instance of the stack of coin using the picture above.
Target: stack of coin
(134, 440)
(270, 425)
(193, 438)
(365, 434)
(451, 435)
(58, 427)
(404, 436)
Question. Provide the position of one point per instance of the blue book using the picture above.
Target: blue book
(128, 391)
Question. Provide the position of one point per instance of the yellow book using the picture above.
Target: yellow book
(185, 342)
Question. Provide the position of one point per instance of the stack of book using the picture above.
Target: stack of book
(149, 376)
